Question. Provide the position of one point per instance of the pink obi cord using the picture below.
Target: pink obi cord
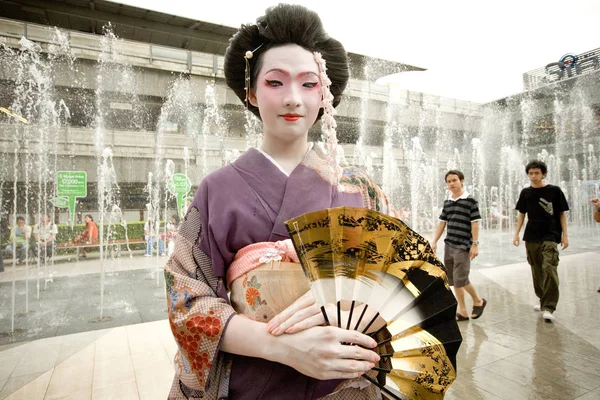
(254, 255)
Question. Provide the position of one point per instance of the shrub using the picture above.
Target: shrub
(135, 230)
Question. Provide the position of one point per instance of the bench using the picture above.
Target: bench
(114, 246)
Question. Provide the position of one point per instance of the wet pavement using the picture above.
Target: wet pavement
(509, 353)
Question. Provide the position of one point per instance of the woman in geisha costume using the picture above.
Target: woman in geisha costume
(266, 340)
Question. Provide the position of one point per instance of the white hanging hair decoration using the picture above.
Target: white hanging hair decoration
(328, 123)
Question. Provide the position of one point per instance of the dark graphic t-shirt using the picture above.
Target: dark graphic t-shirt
(543, 207)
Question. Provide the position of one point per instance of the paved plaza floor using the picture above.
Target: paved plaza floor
(61, 348)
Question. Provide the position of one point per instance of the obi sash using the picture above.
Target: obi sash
(264, 279)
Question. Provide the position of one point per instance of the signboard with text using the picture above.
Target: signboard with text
(69, 186)
(179, 185)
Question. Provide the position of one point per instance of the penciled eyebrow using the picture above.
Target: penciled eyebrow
(300, 75)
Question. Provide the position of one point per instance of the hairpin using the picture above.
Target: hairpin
(247, 56)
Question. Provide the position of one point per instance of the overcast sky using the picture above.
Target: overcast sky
(473, 50)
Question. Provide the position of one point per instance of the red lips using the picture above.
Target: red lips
(291, 117)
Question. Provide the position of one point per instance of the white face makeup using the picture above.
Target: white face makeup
(287, 92)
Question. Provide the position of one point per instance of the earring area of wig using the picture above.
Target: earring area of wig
(247, 72)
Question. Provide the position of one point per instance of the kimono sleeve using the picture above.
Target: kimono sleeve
(373, 197)
(198, 317)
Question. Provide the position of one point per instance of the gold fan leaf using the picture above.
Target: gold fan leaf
(355, 256)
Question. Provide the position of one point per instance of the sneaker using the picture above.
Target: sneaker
(537, 307)
(547, 315)
(147, 255)
(162, 254)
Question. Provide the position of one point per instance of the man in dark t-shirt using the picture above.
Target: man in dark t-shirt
(545, 206)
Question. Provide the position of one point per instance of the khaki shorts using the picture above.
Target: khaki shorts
(458, 266)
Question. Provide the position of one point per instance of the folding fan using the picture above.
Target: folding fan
(381, 273)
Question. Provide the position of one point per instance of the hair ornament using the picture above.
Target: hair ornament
(247, 56)
(328, 123)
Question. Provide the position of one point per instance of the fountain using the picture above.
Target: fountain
(189, 134)
(33, 99)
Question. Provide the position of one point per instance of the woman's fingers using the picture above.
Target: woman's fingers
(315, 320)
(307, 318)
(297, 317)
(358, 353)
(335, 335)
(352, 366)
(318, 352)
(349, 360)
(302, 303)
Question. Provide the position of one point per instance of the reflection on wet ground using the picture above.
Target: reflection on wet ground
(509, 353)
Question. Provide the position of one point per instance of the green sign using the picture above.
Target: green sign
(179, 185)
(69, 186)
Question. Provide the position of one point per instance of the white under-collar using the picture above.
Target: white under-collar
(462, 196)
(275, 163)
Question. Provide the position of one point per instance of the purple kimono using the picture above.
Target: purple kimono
(240, 204)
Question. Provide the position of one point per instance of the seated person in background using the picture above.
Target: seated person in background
(149, 235)
(172, 227)
(496, 214)
(19, 236)
(89, 234)
(45, 234)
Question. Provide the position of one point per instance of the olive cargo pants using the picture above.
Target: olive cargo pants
(543, 259)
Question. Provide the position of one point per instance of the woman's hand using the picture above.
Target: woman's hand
(318, 352)
(303, 311)
(304, 314)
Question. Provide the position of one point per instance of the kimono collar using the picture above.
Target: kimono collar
(275, 163)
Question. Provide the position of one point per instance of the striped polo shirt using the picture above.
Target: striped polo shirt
(458, 215)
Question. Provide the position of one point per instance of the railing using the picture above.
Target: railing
(88, 46)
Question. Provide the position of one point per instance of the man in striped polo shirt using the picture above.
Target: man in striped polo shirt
(461, 214)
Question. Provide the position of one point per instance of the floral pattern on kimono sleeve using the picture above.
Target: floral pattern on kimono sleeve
(372, 195)
(197, 316)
